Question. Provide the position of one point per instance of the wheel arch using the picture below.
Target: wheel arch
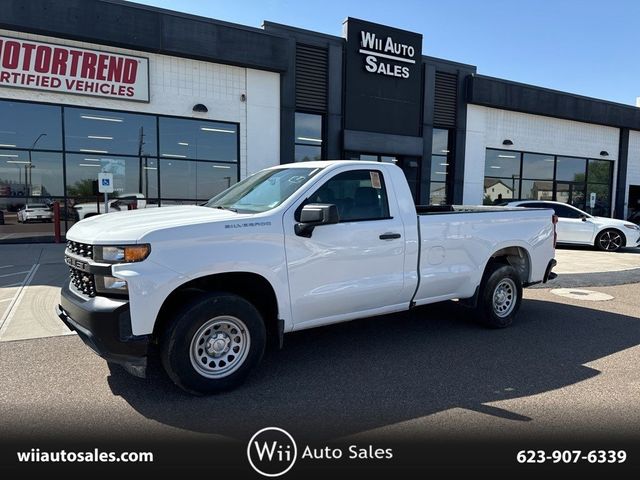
(253, 287)
(516, 256)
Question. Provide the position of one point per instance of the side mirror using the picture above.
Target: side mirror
(313, 215)
(583, 218)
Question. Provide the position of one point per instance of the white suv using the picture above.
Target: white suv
(579, 228)
(35, 212)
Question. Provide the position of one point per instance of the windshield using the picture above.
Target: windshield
(262, 191)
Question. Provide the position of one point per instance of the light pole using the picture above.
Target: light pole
(30, 164)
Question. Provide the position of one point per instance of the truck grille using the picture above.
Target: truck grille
(81, 249)
(83, 281)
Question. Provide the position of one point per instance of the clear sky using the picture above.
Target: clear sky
(588, 47)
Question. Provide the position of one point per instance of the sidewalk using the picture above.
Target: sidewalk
(586, 267)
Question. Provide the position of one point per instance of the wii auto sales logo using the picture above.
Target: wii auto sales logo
(272, 452)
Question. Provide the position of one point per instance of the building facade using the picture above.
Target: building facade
(179, 107)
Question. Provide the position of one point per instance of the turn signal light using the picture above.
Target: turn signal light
(136, 253)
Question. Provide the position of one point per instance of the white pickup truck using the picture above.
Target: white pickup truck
(291, 247)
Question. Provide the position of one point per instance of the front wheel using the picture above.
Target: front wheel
(609, 240)
(500, 296)
(213, 343)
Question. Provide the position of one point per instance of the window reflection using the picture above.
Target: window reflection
(308, 137)
(197, 139)
(206, 179)
(30, 126)
(82, 171)
(24, 173)
(114, 133)
(32, 160)
(571, 169)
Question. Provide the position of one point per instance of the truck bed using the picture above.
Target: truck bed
(440, 209)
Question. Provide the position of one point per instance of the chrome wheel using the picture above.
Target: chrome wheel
(219, 347)
(610, 240)
(504, 297)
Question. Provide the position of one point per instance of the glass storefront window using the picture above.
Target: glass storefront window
(534, 190)
(114, 133)
(33, 159)
(83, 170)
(307, 153)
(440, 142)
(537, 166)
(206, 178)
(599, 171)
(198, 140)
(30, 126)
(571, 169)
(441, 159)
(308, 137)
(439, 168)
(24, 173)
(502, 164)
(496, 190)
(213, 178)
(575, 179)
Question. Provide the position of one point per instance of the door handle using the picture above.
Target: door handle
(389, 236)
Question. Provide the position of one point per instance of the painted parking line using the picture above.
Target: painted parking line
(14, 273)
(11, 285)
(17, 298)
(6, 299)
(5, 266)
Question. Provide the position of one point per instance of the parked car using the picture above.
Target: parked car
(122, 202)
(291, 247)
(579, 228)
(35, 212)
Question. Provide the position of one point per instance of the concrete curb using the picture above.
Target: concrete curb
(597, 279)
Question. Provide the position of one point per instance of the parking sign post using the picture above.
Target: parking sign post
(105, 185)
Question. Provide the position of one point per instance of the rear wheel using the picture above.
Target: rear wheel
(609, 240)
(500, 296)
(213, 343)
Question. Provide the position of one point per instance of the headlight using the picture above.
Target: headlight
(108, 284)
(632, 226)
(126, 254)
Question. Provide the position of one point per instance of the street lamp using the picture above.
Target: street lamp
(30, 164)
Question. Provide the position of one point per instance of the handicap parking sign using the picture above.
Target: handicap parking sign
(105, 182)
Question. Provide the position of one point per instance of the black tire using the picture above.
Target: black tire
(219, 312)
(609, 240)
(501, 312)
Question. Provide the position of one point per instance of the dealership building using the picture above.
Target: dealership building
(179, 107)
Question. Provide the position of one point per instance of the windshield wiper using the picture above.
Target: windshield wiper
(222, 207)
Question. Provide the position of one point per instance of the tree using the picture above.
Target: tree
(82, 188)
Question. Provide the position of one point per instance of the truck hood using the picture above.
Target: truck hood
(131, 225)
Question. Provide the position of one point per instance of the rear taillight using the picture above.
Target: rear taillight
(554, 220)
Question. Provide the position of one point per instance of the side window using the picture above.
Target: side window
(566, 212)
(535, 205)
(358, 194)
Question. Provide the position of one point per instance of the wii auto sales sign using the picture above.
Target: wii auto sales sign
(64, 69)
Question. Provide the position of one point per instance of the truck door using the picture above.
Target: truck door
(356, 265)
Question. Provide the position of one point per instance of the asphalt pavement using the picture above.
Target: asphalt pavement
(566, 369)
